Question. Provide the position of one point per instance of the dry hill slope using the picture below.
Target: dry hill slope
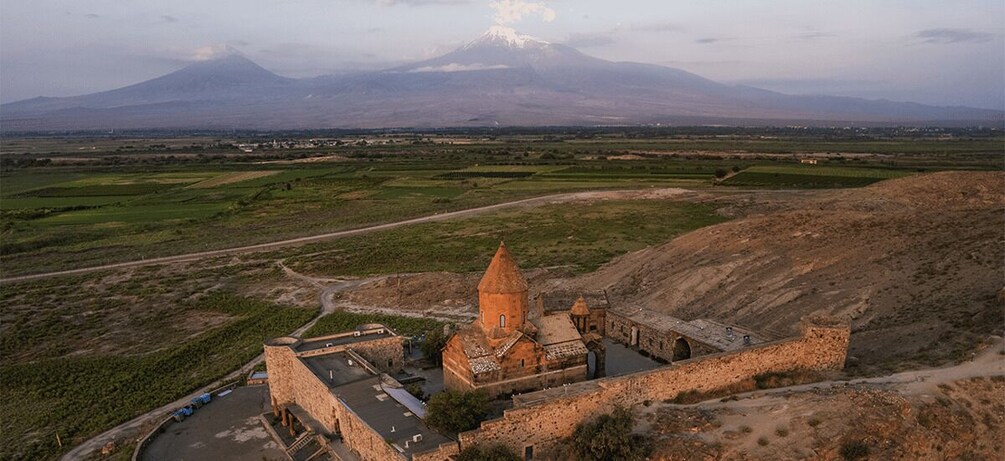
(915, 263)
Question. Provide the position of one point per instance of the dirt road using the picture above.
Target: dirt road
(535, 201)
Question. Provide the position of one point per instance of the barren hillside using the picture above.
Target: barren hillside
(958, 420)
(916, 264)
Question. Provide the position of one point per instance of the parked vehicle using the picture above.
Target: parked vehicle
(183, 413)
(201, 400)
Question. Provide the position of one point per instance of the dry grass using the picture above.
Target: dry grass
(231, 178)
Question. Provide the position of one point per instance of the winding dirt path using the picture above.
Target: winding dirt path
(329, 287)
(535, 201)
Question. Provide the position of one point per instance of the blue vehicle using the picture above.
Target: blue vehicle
(201, 400)
(183, 413)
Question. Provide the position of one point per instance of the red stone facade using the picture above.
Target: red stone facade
(506, 351)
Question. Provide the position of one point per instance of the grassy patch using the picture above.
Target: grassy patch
(582, 236)
(341, 321)
(82, 229)
(77, 397)
(811, 176)
(231, 178)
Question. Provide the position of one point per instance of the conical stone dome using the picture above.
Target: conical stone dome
(580, 308)
(502, 276)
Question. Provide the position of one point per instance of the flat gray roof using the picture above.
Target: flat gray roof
(334, 369)
(389, 418)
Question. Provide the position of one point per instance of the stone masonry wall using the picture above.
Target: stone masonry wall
(538, 381)
(279, 360)
(654, 342)
(387, 354)
(541, 419)
(363, 440)
(292, 382)
(445, 452)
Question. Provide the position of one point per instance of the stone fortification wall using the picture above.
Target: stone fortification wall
(279, 361)
(541, 419)
(292, 382)
(363, 439)
(387, 354)
(445, 452)
(653, 341)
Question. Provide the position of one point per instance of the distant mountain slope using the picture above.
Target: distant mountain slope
(502, 78)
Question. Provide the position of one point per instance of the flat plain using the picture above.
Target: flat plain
(101, 348)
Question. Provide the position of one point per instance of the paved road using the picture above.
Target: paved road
(226, 429)
(302, 240)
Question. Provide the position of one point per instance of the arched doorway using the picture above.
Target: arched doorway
(681, 349)
(596, 359)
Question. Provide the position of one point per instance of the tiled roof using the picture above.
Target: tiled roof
(484, 364)
(555, 328)
(474, 343)
(502, 275)
(569, 349)
(508, 343)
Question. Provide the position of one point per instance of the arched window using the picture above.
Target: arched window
(502, 321)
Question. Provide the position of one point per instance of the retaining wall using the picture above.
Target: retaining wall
(540, 420)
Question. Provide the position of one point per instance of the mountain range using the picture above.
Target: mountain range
(500, 79)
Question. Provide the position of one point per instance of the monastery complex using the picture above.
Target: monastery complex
(337, 397)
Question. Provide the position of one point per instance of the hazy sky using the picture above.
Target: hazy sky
(936, 52)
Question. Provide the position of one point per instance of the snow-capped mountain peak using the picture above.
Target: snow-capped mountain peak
(501, 35)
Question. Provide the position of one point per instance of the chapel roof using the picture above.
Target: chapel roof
(580, 308)
(502, 275)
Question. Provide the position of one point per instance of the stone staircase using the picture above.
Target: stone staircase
(305, 439)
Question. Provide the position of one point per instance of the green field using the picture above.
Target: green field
(580, 237)
(67, 202)
(338, 322)
(811, 176)
(110, 217)
(79, 396)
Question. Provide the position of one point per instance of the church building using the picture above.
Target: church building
(510, 348)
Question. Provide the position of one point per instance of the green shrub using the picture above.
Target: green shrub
(416, 390)
(854, 449)
(433, 345)
(342, 321)
(610, 437)
(453, 412)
